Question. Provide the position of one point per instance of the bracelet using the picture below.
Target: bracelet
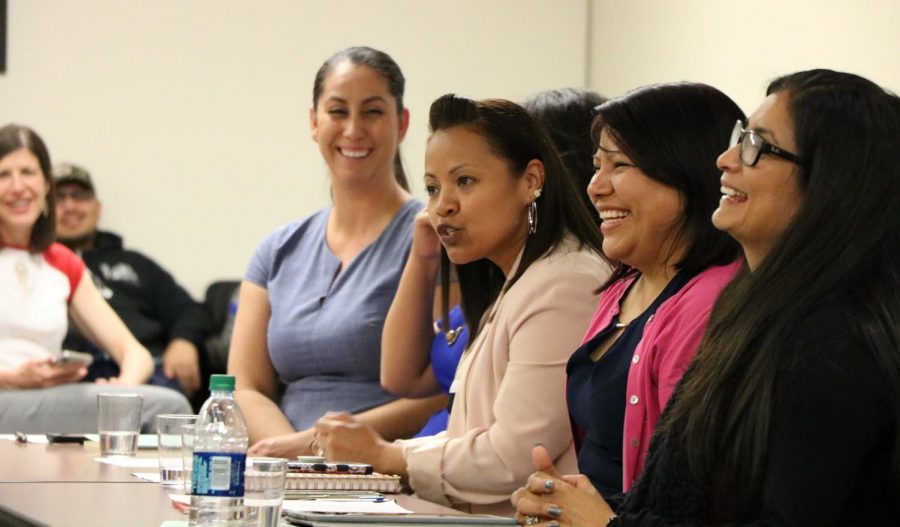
(610, 520)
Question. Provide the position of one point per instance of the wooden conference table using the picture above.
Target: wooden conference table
(62, 485)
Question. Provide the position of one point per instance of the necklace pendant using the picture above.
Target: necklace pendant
(22, 274)
(452, 334)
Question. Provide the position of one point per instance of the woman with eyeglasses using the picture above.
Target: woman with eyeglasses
(790, 414)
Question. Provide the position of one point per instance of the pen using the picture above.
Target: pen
(21, 437)
(336, 496)
(372, 499)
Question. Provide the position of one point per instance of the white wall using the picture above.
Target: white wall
(193, 115)
(738, 46)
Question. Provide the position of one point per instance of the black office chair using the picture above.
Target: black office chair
(218, 302)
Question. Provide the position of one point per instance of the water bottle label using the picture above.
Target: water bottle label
(218, 474)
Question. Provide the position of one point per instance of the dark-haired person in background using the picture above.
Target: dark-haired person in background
(506, 212)
(790, 413)
(567, 114)
(157, 311)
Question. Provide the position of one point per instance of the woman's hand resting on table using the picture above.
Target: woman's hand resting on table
(287, 446)
(551, 499)
(340, 437)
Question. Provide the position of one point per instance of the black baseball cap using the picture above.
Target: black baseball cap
(65, 173)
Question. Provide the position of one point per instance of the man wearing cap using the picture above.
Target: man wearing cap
(160, 314)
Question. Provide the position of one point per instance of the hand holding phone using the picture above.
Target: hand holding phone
(75, 357)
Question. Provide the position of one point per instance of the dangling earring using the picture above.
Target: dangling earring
(46, 211)
(532, 213)
(532, 217)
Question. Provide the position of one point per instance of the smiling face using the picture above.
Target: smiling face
(356, 124)
(77, 212)
(23, 193)
(638, 213)
(476, 204)
(759, 203)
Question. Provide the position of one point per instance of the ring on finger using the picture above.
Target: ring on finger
(532, 520)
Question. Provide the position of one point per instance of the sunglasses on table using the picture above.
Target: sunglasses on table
(753, 146)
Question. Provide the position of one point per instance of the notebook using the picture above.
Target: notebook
(368, 482)
(313, 519)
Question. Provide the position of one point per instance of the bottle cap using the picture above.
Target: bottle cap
(221, 382)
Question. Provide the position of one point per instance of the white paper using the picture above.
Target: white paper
(359, 506)
(180, 498)
(130, 462)
(38, 439)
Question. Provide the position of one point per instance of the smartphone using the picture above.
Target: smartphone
(329, 467)
(66, 438)
(75, 357)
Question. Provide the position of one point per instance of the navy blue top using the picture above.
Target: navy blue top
(596, 394)
(324, 335)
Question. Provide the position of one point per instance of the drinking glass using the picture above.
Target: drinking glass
(263, 491)
(168, 432)
(118, 423)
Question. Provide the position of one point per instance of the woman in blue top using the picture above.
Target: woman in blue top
(316, 292)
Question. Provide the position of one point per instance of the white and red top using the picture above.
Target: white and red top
(35, 292)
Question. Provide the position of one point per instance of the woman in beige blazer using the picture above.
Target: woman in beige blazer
(509, 216)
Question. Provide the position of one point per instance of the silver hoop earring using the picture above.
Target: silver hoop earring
(532, 217)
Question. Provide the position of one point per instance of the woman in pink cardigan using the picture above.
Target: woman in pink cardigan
(655, 187)
(504, 210)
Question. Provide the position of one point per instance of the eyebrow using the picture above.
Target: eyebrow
(607, 150)
(374, 98)
(453, 170)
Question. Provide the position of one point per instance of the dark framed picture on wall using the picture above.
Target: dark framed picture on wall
(2, 36)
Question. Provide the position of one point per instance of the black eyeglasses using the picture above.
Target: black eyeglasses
(753, 146)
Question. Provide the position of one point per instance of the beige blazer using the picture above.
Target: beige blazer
(510, 389)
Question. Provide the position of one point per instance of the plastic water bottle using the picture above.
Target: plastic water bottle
(220, 453)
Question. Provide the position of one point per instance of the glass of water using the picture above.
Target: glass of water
(187, 454)
(168, 430)
(263, 491)
(118, 423)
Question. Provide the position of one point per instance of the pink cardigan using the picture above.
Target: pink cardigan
(670, 341)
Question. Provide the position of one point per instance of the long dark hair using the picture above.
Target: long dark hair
(673, 133)
(513, 134)
(12, 138)
(382, 64)
(566, 113)
(845, 237)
